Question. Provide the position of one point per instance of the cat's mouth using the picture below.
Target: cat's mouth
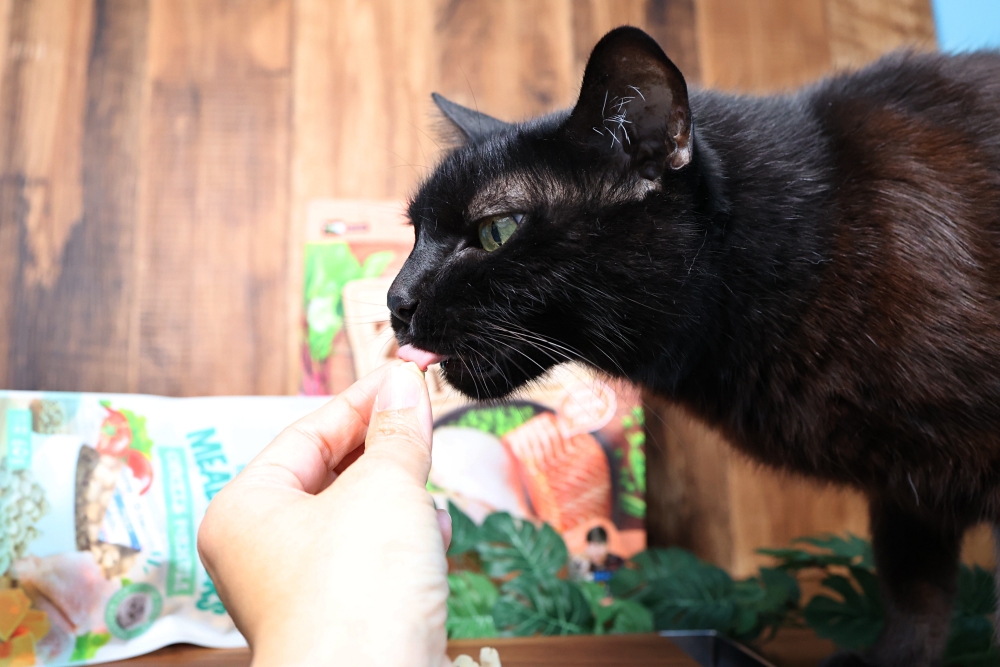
(422, 358)
(476, 374)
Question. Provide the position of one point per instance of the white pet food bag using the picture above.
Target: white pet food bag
(100, 499)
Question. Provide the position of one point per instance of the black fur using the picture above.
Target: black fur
(819, 278)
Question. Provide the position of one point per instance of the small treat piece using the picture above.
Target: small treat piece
(421, 358)
(488, 657)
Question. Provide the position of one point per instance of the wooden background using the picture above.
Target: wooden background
(156, 157)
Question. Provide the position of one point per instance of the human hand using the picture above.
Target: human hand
(321, 569)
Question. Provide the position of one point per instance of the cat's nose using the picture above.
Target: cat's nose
(402, 308)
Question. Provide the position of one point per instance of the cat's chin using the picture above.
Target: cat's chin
(493, 382)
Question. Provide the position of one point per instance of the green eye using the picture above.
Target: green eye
(494, 231)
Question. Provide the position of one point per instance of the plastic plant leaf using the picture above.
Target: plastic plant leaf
(800, 559)
(971, 642)
(854, 621)
(764, 602)
(650, 565)
(464, 531)
(546, 605)
(509, 545)
(857, 549)
(701, 597)
(471, 599)
(615, 616)
(597, 596)
(630, 617)
(976, 595)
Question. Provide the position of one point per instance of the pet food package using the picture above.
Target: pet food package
(100, 500)
(568, 450)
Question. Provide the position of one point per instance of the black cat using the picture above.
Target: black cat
(817, 275)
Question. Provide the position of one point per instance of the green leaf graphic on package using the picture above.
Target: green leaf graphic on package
(123, 435)
(330, 266)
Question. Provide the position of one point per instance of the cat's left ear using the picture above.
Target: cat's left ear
(634, 104)
(471, 123)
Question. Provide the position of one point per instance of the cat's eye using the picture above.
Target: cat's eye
(496, 230)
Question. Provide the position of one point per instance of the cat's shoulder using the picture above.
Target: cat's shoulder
(917, 80)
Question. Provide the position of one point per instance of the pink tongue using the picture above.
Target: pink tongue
(421, 358)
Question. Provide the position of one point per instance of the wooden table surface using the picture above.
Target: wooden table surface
(618, 650)
(792, 648)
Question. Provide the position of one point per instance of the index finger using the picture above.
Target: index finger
(304, 454)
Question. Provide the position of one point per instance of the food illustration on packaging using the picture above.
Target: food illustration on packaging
(22, 504)
(123, 435)
(21, 628)
(100, 498)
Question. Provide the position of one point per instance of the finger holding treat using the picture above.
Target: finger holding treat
(320, 568)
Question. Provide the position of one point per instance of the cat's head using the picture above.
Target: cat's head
(546, 241)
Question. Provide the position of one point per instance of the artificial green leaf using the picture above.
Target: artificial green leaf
(649, 565)
(630, 617)
(857, 549)
(464, 532)
(854, 621)
(375, 263)
(764, 602)
(509, 545)
(976, 594)
(471, 599)
(542, 605)
(626, 582)
(799, 559)
(701, 597)
(971, 643)
(597, 596)
(615, 616)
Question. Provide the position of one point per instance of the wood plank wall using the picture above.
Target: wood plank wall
(156, 157)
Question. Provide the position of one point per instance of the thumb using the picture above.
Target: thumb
(401, 423)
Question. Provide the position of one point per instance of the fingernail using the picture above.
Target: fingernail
(400, 389)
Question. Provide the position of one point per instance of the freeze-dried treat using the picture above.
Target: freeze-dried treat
(488, 657)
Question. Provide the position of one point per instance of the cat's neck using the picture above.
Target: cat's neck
(762, 184)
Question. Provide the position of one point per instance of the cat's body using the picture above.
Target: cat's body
(817, 275)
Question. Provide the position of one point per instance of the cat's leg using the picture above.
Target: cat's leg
(917, 561)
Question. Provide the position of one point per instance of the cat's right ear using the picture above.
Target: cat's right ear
(634, 104)
(472, 124)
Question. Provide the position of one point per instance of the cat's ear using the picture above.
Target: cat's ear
(471, 123)
(634, 104)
